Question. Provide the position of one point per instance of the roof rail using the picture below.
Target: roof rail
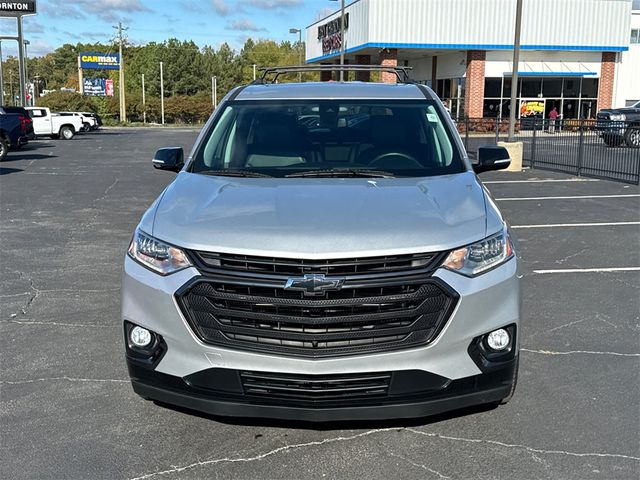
(402, 73)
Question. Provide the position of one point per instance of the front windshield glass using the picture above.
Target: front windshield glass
(282, 138)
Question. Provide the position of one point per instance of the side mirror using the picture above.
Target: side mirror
(170, 158)
(491, 158)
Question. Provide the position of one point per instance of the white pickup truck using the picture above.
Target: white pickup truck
(54, 125)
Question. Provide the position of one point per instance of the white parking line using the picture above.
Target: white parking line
(569, 197)
(589, 270)
(544, 180)
(556, 225)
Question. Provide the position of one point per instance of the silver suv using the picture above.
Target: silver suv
(326, 252)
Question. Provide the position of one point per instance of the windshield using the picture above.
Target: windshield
(296, 138)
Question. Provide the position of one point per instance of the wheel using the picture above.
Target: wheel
(632, 137)
(514, 382)
(612, 140)
(86, 127)
(4, 149)
(66, 132)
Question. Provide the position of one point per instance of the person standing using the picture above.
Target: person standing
(553, 117)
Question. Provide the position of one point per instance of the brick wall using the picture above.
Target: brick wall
(474, 85)
(389, 58)
(607, 79)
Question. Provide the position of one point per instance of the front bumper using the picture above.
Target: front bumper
(486, 303)
(223, 395)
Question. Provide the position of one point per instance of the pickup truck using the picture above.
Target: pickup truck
(12, 132)
(54, 125)
(88, 123)
(25, 119)
(620, 125)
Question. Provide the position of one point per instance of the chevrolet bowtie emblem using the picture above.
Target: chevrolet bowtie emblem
(314, 284)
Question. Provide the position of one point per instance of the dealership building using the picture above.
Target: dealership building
(576, 55)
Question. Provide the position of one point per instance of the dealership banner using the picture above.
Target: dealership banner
(105, 61)
(17, 8)
(98, 87)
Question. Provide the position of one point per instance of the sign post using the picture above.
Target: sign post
(18, 9)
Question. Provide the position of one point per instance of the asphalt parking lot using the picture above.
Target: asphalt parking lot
(67, 409)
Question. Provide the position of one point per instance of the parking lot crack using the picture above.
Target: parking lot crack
(263, 455)
(420, 465)
(58, 324)
(574, 352)
(34, 293)
(569, 257)
(526, 448)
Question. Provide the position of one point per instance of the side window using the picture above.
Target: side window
(37, 113)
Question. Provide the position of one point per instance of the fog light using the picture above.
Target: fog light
(140, 337)
(498, 339)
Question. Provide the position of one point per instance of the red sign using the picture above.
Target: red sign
(109, 87)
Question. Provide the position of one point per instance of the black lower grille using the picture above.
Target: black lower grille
(316, 388)
(361, 317)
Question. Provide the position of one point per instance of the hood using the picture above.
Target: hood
(321, 218)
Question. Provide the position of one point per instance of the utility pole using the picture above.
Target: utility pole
(299, 32)
(514, 75)
(1, 77)
(214, 91)
(342, 40)
(161, 94)
(144, 103)
(123, 108)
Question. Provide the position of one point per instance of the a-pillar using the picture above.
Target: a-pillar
(607, 79)
(474, 85)
(389, 58)
(363, 60)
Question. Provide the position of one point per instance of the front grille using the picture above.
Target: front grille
(369, 313)
(315, 388)
(288, 266)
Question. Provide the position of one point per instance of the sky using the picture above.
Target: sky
(206, 22)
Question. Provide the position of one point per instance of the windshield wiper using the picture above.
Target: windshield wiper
(235, 173)
(343, 172)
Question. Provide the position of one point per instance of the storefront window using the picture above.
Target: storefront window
(531, 87)
(492, 87)
(589, 88)
(571, 87)
(491, 108)
(552, 87)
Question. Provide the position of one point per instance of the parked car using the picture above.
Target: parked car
(54, 125)
(313, 270)
(27, 122)
(617, 126)
(88, 123)
(97, 119)
(12, 132)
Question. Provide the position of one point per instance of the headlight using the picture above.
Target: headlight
(482, 256)
(618, 117)
(156, 255)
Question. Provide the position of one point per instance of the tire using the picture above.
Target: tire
(612, 140)
(66, 132)
(514, 382)
(632, 137)
(86, 127)
(4, 149)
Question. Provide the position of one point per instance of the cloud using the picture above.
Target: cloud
(244, 25)
(107, 10)
(221, 7)
(272, 4)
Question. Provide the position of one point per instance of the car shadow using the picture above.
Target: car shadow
(15, 156)
(7, 171)
(329, 426)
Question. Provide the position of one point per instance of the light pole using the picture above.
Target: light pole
(144, 103)
(26, 76)
(161, 94)
(299, 32)
(341, 38)
(514, 75)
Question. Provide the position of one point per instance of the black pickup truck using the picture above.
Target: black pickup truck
(620, 125)
(12, 132)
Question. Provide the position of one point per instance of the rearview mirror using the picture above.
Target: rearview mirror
(491, 158)
(170, 158)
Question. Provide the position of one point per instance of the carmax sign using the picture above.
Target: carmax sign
(105, 61)
(16, 9)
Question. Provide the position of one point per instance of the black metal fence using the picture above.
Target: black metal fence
(592, 148)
